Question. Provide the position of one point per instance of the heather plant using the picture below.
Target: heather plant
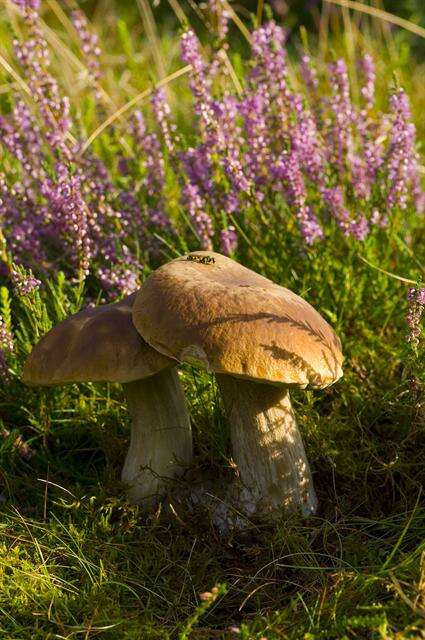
(305, 167)
(276, 151)
(416, 298)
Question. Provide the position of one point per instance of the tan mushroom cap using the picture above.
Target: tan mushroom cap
(209, 310)
(98, 344)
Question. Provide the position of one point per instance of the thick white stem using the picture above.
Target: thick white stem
(161, 438)
(267, 445)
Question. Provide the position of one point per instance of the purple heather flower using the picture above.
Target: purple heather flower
(258, 155)
(200, 85)
(402, 160)
(359, 176)
(228, 240)
(33, 56)
(379, 219)
(66, 204)
(359, 228)
(119, 278)
(196, 163)
(200, 220)
(373, 153)
(221, 15)
(230, 202)
(23, 281)
(158, 218)
(21, 222)
(367, 66)
(309, 73)
(334, 198)
(288, 170)
(190, 53)
(68, 209)
(71, 213)
(6, 338)
(221, 139)
(269, 77)
(225, 113)
(228, 140)
(270, 57)
(306, 141)
(123, 166)
(365, 161)
(234, 172)
(21, 136)
(162, 114)
(97, 182)
(343, 114)
(120, 272)
(154, 164)
(138, 128)
(90, 45)
(33, 5)
(341, 88)
(6, 348)
(30, 137)
(416, 299)
(12, 141)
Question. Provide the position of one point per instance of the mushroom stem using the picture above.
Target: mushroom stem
(267, 445)
(161, 439)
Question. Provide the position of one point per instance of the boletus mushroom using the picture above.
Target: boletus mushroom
(100, 344)
(260, 340)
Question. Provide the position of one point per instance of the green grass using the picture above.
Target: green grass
(78, 561)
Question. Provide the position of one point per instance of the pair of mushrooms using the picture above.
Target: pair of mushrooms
(259, 339)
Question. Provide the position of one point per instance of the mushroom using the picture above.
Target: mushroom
(100, 344)
(260, 340)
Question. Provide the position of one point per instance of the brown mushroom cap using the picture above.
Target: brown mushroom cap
(209, 310)
(98, 344)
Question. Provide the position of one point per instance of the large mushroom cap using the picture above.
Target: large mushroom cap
(98, 344)
(207, 309)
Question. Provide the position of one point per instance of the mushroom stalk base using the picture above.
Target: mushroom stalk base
(267, 445)
(161, 438)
